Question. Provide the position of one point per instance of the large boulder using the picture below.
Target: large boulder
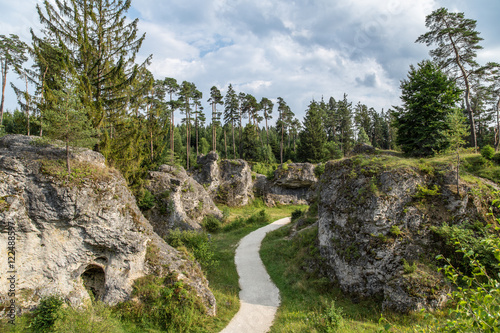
(375, 229)
(180, 201)
(77, 236)
(228, 181)
(290, 185)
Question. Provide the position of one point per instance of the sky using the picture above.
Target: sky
(300, 50)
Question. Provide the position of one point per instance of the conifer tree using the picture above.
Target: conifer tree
(172, 87)
(215, 99)
(12, 55)
(313, 137)
(457, 44)
(68, 120)
(231, 106)
(267, 108)
(428, 96)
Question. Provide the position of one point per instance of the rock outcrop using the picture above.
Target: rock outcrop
(291, 184)
(78, 235)
(180, 201)
(228, 181)
(374, 229)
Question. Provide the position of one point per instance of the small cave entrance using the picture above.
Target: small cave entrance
(94, 280)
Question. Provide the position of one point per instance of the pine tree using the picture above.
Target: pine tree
(344, 114)
(172, 88)
(215, 99)
(186, 93)
(68, 121)
(231, 114)
(313, 137)
(12, 55)
(267, 108)
(457, 44)
(102, 46)
(428, 96)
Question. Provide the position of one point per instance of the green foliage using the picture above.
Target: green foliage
(198, 243)
(475, 238)
(425, 192)
(496, 158)
(319, 170)
(164, 304)
(211, 223)
(81, 172)
(395, 231)
(146, 200)
(296, 214)
(265, 169)
(331, 320)
(428, 97)
(313, 137)
(407, 268)
(261, 217)
(488, 152)
(95, 317)
(46, 314)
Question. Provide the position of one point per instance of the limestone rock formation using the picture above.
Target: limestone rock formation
(291, 184)
(228, 181)
(80, 234)
(374, 229)
(181, 202)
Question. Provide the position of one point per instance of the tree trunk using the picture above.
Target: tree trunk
(151, 144)
(498, 126)
(171, 131)
(27, 105)
(234, 142)
(68, 167)
(225, 143)
(4, 82)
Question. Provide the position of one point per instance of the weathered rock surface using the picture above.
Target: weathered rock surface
(181, 202)
(228, 181)
(373, 219)
(76, 235)
(291, 184)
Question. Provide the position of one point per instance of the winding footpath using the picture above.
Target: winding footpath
(259, 297)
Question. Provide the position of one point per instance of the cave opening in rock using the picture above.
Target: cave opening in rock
(94, 281)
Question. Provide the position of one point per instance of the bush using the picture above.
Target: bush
(45, 314)
(496, 158)
(332, 320)
(146, 200)
(319, 170)
(198, 243)
(163, 304)
(96, 317)
(211, 223)
(296, 214)
(487, 152)
(261, 217)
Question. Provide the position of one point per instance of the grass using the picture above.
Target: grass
(307, 298)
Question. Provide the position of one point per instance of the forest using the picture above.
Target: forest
(85, 87)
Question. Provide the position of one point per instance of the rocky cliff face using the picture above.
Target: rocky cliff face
(228, 181)
(291, 184)
(78, 235)
(374, 228)
(181, 202)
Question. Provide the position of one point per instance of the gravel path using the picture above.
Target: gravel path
(259, 297)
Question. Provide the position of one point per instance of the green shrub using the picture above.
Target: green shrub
(332, 320)
(496, 158)
(163, 304)
(487, 152)
(319, 170)
(198, 243)
(261, 217)
(296, 214)
(45, 314)
(407, 268)
(424, 191)
(146, 200)
(211, 223)
(395, 231)
(96, 317)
